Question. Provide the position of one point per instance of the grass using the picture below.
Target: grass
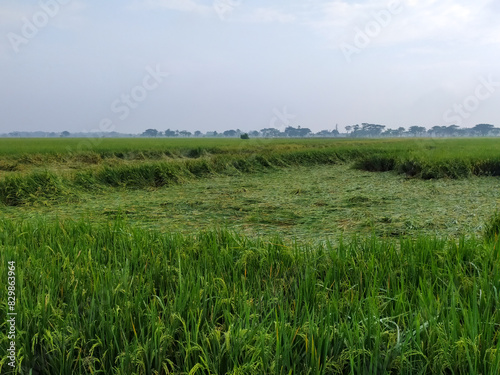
(118, 299)
(427, 159)
(215, 256)
(20, 188)
(303, 203)
(492, 230)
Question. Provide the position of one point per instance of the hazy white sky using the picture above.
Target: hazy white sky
(130, 65)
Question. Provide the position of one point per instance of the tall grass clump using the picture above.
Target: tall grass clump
(117, 299)
(492, 229)
(426, 168)
(141, 175)
(376, 163)
(486, 167)
(35, 187)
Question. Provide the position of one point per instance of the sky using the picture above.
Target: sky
(130, 65)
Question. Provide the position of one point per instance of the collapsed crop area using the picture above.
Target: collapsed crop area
(424, 159)
(275, 257)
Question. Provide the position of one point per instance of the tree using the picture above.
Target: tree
(438, 130)
(270, 132)
(290, 131)
(197, 133)
(355, 130)
(244, 136)
(65, 134)
(483, 129)
(452, 129)
(170, 133)
(229, 133)
(390, 133)
(185, 133)
(327, 133)
(150, 133)
(370, 130)
(394, 132)
(416, 130)
(323, 133)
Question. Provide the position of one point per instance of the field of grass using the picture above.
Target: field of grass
(220, 256)
(318, 202)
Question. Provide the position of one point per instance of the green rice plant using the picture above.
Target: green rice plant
(114, 298)
(376, 163)
(424, 158)
(492, 229)
(36, 187)
(486, 167)
(141, 176)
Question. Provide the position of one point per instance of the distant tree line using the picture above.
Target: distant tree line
(374, 130)
(42, 134)
(289, 131)
(365, 130)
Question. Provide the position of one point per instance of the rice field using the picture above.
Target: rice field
(222, 256)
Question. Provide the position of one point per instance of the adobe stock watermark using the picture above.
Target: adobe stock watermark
(139, 93)
(461, 111)
(281, 119)
(225, 7)
(123, 106)
(39, 20)
(372, 29)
